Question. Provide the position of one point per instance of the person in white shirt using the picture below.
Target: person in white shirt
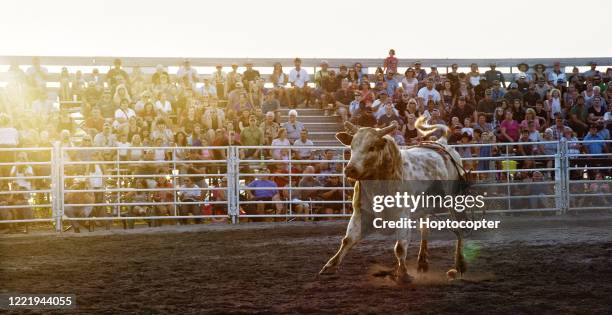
(124, 144)
(428, 92)
(188, 72)
(38, 74)
(556, 74)
(163, 105)
(123, 114)
(21, 171)
(303, 154)
(298, 77)
(281, 141)
(380, 104)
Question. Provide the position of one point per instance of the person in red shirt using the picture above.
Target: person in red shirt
(390, 65)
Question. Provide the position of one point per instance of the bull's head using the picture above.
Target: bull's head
(371, 150)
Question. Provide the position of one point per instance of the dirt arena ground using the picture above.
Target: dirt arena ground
(531, 265)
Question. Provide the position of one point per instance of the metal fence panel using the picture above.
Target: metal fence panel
(570, 181)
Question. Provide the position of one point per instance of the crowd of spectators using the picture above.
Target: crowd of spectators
(129, 110)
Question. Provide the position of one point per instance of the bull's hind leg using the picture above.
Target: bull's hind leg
(352, 237)
(422, 261)
(460, 264)
(401, 250)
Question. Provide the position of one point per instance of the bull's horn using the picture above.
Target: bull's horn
(387, 130)
(350, 127)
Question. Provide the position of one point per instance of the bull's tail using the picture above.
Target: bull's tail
(427, 129)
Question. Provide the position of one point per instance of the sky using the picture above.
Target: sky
(307, 28)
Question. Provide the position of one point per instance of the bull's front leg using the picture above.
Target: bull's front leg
(352, 237)
(422, 261)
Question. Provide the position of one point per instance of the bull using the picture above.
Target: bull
(376, 156)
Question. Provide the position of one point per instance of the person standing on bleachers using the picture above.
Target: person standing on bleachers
(493, 75)
(187, 74)
(37, 75)
(115, 73)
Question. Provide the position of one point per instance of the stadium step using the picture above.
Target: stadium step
(303, 111)
(314, 119)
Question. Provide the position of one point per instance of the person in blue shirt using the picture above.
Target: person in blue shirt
(269, 194)
(594, 147)
(392, 84)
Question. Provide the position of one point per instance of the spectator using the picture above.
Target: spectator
(513, 93)
(272, 104)
(420, 73)
(509, 129)
(123, 114)
(495, 75)
(596, 111)
(597, 146)
(333, 193)
(186, 73)
(591, 72)
(410, 83)
(482, 124)
(411, 134)
(573, 145)
(270, 128)
(486, 106)
(474, 76)
(192, 195)
(542, 88)
(249, 76)
(388, 117)
(252, 136)
(343, 98)
(265, 190)
(556, 74)
(298, 77)
(121, 93)
(390, 83)
(303, 153)
(21, 172)
(553, 102)
(497, 92)
(37, 75)
(522, 68)
(116, 75)
(293, 126)
(390, 64)
(105, 138)
(302, 197)
(428, 92)
(539, 73)
(578, 116)
(463, 110)
(281, 141)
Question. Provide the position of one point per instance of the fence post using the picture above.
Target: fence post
(561, 178)
(56, 185)
(232, 184)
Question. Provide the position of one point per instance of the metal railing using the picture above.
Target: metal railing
(241, 183)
